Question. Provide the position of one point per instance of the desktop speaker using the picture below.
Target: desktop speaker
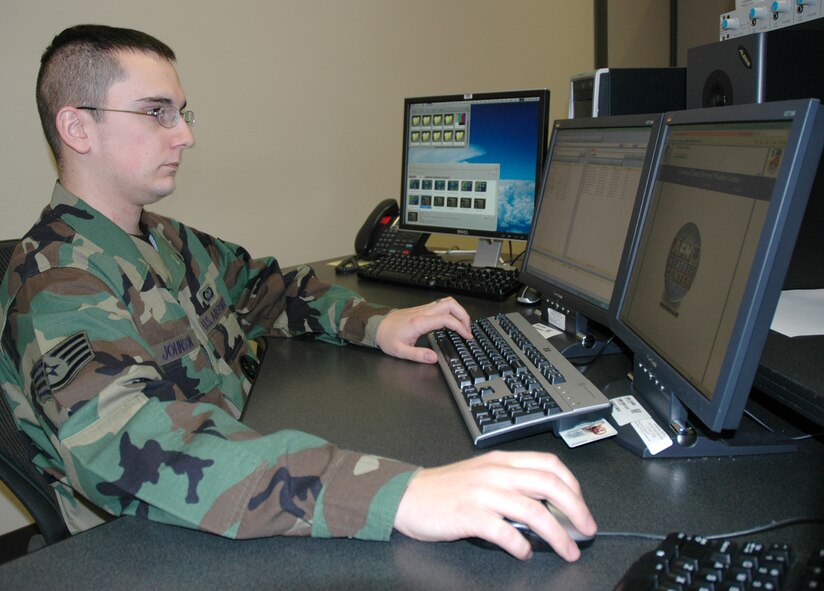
(758, 68)
(626, 91)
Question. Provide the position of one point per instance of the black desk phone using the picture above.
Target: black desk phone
(379, 236)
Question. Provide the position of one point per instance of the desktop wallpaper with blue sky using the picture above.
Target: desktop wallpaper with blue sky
(505, 134)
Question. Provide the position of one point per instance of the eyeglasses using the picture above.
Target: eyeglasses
(166, 116)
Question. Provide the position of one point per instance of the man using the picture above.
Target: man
(127, 345)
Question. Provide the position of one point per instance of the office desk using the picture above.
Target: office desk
(361, 399)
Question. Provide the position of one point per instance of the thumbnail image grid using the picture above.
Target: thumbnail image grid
(446, 130)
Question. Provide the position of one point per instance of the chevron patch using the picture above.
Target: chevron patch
(57, 368)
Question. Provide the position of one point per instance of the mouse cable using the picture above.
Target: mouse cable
(790, 522)
(630, 534)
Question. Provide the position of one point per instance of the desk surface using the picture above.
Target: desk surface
(404, 410)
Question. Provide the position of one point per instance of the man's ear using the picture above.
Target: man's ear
(72, 129)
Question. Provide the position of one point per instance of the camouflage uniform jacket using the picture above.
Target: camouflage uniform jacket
(125, 365)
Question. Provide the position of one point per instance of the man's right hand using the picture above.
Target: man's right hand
(470, 499)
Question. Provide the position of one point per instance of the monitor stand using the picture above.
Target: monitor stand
(487, 253)
(590, 340)
(688, 440)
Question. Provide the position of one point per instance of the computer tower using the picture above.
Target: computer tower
(627, 91)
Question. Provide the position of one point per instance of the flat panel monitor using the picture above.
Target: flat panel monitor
(591, 179)
(471, 165)
(703, 270)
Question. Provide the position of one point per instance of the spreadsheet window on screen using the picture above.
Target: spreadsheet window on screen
(587, 201)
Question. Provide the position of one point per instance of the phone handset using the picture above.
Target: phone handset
(380, 236)
(381, 218)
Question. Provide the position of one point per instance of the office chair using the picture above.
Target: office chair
(16, 468)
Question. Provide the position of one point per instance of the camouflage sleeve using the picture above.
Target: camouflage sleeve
(269, 301)
(123, 435)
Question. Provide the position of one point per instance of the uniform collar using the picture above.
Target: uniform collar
(85, 219)
(95, 228)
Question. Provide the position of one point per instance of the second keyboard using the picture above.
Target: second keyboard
(693, 563)
(510, 382)
(452, 277)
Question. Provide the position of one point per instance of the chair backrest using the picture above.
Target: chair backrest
(16, 468)
(6, 248)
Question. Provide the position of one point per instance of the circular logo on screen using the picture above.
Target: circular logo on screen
(682, 265)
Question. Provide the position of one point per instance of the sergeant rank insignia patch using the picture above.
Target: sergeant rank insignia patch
(57, 368)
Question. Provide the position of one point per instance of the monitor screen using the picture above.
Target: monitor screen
(471, 163)
(701, 276)
(588, 193)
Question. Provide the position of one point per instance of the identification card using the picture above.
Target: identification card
(588, 432)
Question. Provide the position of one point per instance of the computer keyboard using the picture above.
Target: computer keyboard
(435, 273)
(509, 382)
(692, 563)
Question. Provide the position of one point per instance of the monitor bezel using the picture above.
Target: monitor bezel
(555, 292)
(725, 409)
(542, 94)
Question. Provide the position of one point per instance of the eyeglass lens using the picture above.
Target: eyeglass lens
(169, 116)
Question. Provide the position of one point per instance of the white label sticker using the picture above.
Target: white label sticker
(546, 331)
(555, 318)
(652, 435)
(626, 409)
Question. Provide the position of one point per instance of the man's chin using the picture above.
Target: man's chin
(163, 190)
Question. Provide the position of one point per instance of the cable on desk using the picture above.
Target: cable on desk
(759, 421)
(807, 436)
(766, 427)
(792, 521)
(630, 534)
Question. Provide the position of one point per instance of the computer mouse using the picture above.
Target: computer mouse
(537, 542)
(348, 265)
(528, 296)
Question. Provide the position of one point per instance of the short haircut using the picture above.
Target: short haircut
(80, 66)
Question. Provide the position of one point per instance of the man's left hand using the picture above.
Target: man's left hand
(400, 330)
